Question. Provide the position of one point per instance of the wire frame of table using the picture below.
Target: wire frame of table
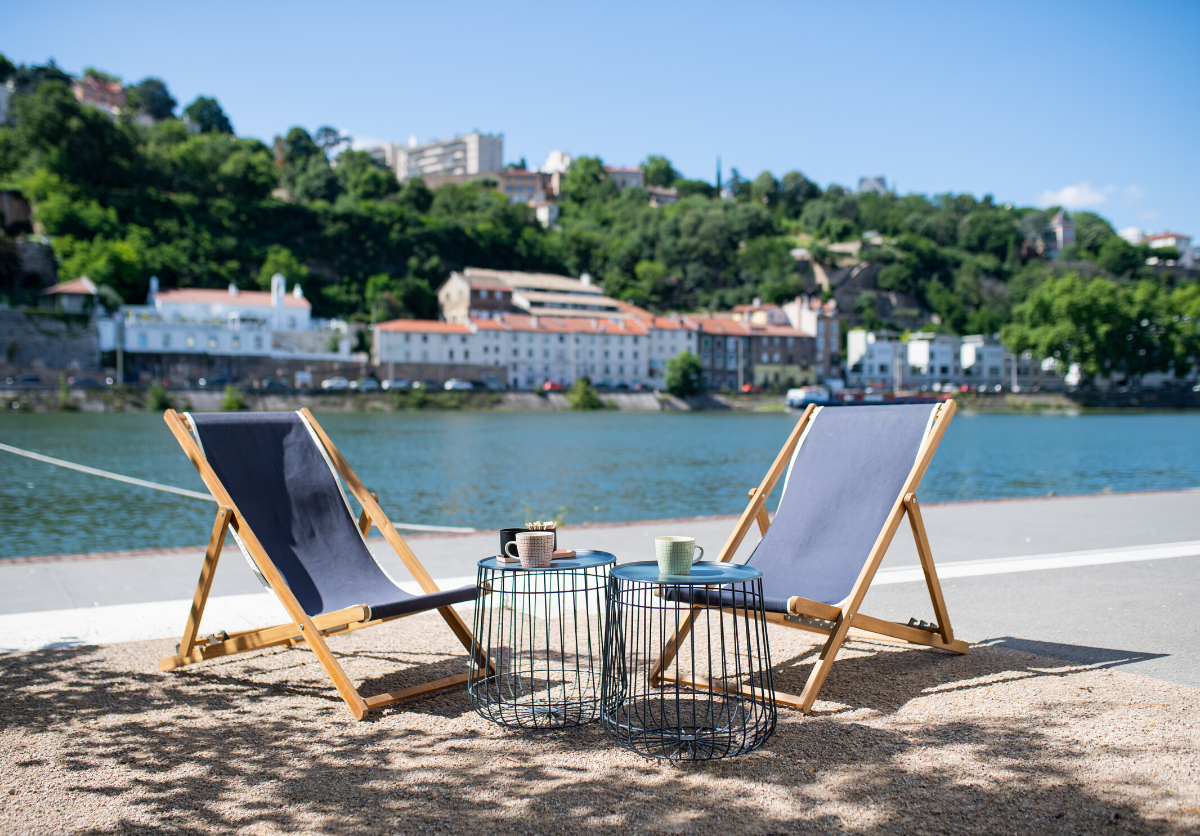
(541, 630)
(715, 699)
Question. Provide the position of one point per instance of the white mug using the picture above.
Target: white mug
(534, 548)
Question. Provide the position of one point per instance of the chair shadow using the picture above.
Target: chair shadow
(908, 672)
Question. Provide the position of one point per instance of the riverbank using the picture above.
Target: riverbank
(131, 399)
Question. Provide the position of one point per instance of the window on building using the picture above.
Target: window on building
(190, 340)
(212, 342)
(764, 357)
(166, 340)
(945, 370)
(776, 356)
(790, 340)
(258, 343)
(883, 368)
(424, 338)
(236, 342)
(452, 354)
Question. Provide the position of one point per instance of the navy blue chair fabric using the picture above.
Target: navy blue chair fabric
(843, 482)
(275, 474)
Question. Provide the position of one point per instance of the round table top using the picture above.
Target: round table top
(583, 559)
(703, 573)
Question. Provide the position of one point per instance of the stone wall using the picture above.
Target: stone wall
(48, 340)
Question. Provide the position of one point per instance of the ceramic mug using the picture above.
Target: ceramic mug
(675, 554)
(534, 548)
(509, 535)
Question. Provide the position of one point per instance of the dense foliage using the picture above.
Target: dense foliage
(188, 200)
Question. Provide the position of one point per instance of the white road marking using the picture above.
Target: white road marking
(165, 619)
(153, 620)
(1039, 562)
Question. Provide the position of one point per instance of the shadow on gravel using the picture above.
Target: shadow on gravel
(1099, 657)
(262, 745)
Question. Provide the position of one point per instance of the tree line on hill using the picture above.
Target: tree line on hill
(188, 200)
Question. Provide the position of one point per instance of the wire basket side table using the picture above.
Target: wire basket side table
(715, 697)
(541, 630)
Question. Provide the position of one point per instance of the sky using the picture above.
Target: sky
(1088, 105)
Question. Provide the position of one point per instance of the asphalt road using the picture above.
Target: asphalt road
(1143, 616)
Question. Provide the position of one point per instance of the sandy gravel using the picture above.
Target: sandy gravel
(96, 740)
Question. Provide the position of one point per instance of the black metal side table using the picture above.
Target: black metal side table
(687, 669)
(541, 631)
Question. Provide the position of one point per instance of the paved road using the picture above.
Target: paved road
(1144, 616)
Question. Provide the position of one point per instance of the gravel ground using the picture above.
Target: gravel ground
(96, 740)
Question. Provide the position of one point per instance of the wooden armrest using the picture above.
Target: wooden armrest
(813, 609)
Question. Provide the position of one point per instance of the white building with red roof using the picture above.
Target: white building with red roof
(1174, 241)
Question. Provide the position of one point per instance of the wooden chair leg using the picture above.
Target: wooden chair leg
(931, 579)
(207, 570)
(671, 648)
(816, 677)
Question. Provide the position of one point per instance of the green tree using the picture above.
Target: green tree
(765, 190)
(659, 171)
(586, 181)
(794, 190)
(7, 68)
(206, 116)
(685, 377)
(232, 400)
(151, 97)
(363, 177)
(1091, 231)
(280, 259)
(582, 396)
(1118, 257)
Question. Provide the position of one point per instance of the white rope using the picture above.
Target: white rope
(143, 483)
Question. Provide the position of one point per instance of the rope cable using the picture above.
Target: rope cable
(144, 483)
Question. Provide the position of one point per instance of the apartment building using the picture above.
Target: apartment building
(623, 178)
(725, 359)
(819, 320)
(469, 154)
(670, 336)
(782, 357)
(934, 362)
(108, 96)
(1175, 241)
(875, 359)
(525, 351)
(479, 293)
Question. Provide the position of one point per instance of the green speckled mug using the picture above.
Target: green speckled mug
(676, 554)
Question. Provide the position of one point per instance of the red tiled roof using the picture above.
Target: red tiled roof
(424, 326)
(1163, 235)
(209, 296)
(82, 286)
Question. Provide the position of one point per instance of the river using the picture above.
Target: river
(486, 470)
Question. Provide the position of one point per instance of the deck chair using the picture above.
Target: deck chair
(274, 477)
(852, 475)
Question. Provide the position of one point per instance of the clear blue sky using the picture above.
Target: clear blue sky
(1022, 100)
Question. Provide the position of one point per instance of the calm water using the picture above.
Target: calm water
(492, 469)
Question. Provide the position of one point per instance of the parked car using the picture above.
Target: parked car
(29, 378)
(220, 382)
(271, 383)
(797, 398)
(455, 384)
(552, 386)
(750, 387)
(395, 384)
(365, 384)
(337, 384)
(83, 382)
(479, 385)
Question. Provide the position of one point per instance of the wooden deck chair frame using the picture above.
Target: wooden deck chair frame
(839, 623)
(193, 648)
